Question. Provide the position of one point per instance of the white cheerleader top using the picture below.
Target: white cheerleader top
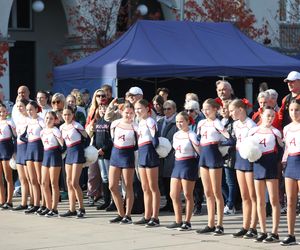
(210, 131)
(265, 139)
(123, 137)
(21, 125)
(70, 133)
(49, 137)
(34, 128)
(6, 127)
(241, 130)
(291, 136)
(144, 131)
(182, 143)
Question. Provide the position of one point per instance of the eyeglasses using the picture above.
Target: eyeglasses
(102, 96)
(189, 110)
(167, 109)
(56, 102)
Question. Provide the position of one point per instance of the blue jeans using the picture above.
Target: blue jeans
(104, 168)
(229, 187)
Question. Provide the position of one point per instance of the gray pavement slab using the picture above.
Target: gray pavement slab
(30, 232)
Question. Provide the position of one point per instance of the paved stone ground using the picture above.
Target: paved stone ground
(19, 231)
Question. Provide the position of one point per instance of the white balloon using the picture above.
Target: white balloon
(143, 9)
(38, 6)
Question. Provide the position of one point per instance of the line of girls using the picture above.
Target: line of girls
(39, 159)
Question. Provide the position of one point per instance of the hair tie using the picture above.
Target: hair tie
(191, 120)
(247, 103)
(219, 101)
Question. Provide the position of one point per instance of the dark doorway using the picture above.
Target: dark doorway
(22, 67)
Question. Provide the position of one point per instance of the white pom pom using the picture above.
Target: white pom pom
(164, 147)
(12, 163)
(91, 155)
(249, 149)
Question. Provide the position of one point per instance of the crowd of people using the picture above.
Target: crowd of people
(47, 138)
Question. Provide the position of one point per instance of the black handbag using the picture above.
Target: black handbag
(86, 141)
(23, 137)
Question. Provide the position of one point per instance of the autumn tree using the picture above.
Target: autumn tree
(235, 11)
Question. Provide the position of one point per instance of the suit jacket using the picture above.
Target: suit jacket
(167, 164)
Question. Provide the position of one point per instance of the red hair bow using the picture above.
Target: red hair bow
(247, 103)
(191, 120)
(219, 101)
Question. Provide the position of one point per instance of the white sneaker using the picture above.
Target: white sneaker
(228, 211)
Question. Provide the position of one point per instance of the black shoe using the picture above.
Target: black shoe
(7, 206)
(251, 234)
(69, 213)
(261, 237)
(205, 230)
(1, 205)
(152, 223)
(240, 233)
(174, 225)
(111, 207)
(197, 211)
(289, 241)
(80, 213)
(40, 210)
(19, 208)
(32, 210)
(272, 238)
(52, 213)
(142, 221)
(118, 219)
(103, 206)
(186, 226)
(219, 231)
(44, 212)
(126, 220)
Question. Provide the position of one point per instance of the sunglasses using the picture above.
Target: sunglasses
(190, 110)
(102, 96)
(167, 109)
(56, 102)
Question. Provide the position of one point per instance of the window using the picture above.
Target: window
(21, 15)
(290, 11)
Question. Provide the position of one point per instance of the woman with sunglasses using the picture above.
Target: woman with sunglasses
(58, 103)
(94, 178)
(99, 98)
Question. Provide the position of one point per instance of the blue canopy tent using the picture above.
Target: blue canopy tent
(156, 49)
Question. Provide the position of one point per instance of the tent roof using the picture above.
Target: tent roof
(174, 48)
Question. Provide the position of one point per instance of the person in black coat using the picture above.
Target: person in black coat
(167, 128)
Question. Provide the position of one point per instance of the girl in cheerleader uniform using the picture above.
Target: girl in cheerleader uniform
(72, 133)
(52, 163)
(123, 132)
(266, 173)
(7, 132)
(148, 161)
(291, 159)
(34, 154)
(185, 171)
(244, 169)
(21, 121)
(211, 163)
